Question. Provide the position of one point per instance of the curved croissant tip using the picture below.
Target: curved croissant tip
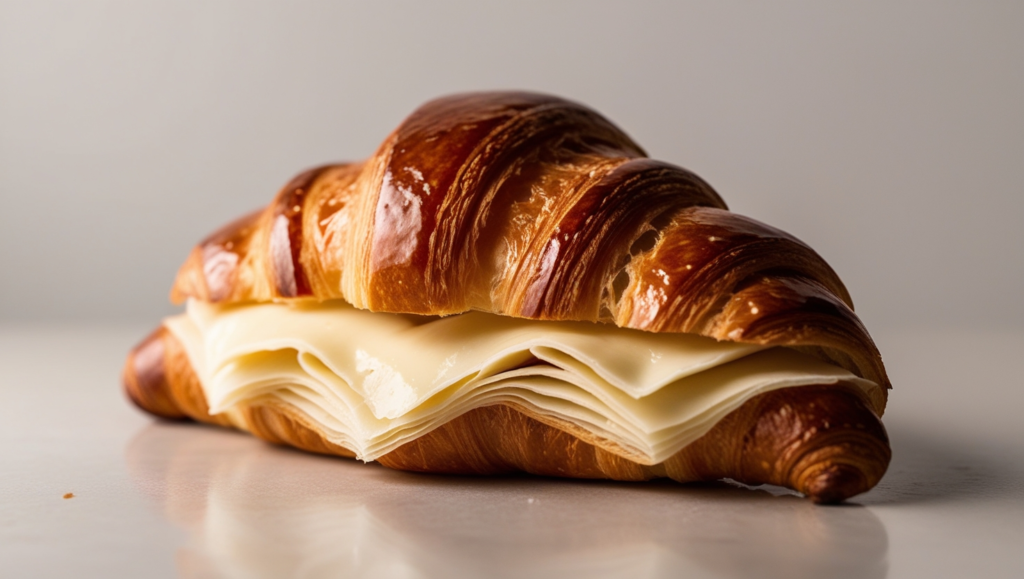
(144, 378)
(835, 484)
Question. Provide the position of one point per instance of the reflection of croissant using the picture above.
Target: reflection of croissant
(534, 207)
(253, 512)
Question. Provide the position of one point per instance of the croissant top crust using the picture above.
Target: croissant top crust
(531, 206)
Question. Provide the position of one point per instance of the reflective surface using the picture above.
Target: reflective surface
(259, 511)
(181, 500)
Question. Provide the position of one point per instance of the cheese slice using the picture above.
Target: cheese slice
(374, 381)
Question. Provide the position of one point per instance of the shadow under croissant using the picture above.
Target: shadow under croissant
(937, 467)
(258, 511)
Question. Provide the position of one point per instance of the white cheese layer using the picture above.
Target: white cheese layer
(374, 381)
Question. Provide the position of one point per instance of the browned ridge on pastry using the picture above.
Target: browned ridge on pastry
(535, 207)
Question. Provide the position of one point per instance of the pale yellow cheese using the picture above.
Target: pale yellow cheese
(374, 381)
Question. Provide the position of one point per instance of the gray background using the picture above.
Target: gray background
(888, 135)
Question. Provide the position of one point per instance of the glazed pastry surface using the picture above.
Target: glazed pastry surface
(533, 207)
(490, 225)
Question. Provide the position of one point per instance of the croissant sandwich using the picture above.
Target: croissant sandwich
(509, 284)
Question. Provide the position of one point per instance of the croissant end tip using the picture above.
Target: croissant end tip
(145, 381)
(835, 484)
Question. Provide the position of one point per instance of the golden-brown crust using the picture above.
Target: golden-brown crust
(532, 206)
(823, 441)
(280, 423)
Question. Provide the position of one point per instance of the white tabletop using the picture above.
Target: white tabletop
(156, 499)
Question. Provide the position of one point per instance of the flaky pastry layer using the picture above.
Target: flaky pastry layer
(373, 381)
(823, 441)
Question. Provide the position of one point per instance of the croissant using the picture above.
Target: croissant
(510, 284)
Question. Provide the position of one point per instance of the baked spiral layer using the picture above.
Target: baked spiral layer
(534, 207)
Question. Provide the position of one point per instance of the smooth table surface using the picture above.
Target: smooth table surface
(157, 499)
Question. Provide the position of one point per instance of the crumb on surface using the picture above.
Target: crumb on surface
(69, 495)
